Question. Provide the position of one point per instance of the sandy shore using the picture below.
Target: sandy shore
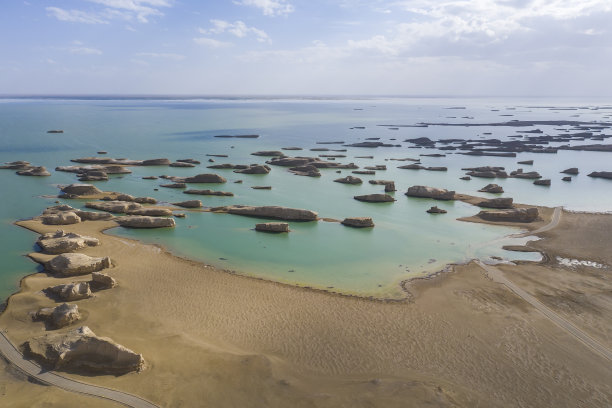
(215, 339)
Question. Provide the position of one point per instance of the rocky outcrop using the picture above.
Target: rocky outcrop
(93, 215)
(76, 264)
(567, 178)
(151, 212)
(377, 167)
(261, 187)
(58, 317)
(430, 192)
(60, 242)
(525, 175)
(601, 174)
(500, 202)
(572, 170)
(486, 172)
(82, 350)
(542, 182)
(411, 167)
(269, 153)
(364, 172)
(61, 218)
(492, 188)
(93, 175)
(254, 169)
(517, 215)
(203, 178)
(272, 227)
(181, 164)
(143, 221)
(16, 165)
(307, 170)
(34, 171)
(436, 210)
(527, 162)
(174, 185)
(375, 198)
(119, 207)
(349, 180)
(189, 204)
(210, 193)
(155, 162)
(101, 280)
(80, 190)
(358, 222)
(145, 200)
(269, 211)
(70, 292)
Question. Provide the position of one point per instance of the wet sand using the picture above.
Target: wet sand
(215, 339)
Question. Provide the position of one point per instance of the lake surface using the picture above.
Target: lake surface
(406, 241)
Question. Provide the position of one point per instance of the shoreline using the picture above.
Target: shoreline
(123, 312)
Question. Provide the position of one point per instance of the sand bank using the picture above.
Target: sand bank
(211, 338)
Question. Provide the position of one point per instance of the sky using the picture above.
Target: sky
(307, 47)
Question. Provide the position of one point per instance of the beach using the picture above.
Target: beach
(212, 338)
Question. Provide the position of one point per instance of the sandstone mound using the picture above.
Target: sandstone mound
(81, 349)
(58, 317)
(119, 207)
(358, 222)
(143, 221)
(71, 291)
(516, 215)
(500, 202)
(76, 264)
(492, 188)
(60, 242)
(272, 227)
(80, 190)
(430, 192)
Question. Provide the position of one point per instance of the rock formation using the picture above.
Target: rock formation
(270, 211)
(601, 174)
(542, 182)
(375, 198)
(269, 153)
(80, 190)
(93, 215)
(58, 317)
(272, 227)
(119, 207)
(143, 221)
(61, 218)
(254, 169)
(34, 171)
(500, 202)
(436, 210)
(70, 292)
(101, 280)
(81, 349)
(349, 180)
(210, 193)
(492, 188)
(174, 185)
(358, 222)
(189, 204)
(515, 215)
(60, 242)
(71, 264)
(572, 170)
(202, 178)
(430, 192)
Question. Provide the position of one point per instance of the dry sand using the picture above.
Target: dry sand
(215, 339)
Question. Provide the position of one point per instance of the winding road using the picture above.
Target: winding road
(498, 276)
(33, 370)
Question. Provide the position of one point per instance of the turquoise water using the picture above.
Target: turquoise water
(405, 242)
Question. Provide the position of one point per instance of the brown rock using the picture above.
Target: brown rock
(358, 222)
(516, 215)
(375, 198)
(272, 227)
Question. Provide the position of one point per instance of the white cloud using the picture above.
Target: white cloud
(269, 7)
(211, 43)
(75, 16)
(129, 10)
(238, 29)
(161, 55)
(85, 51)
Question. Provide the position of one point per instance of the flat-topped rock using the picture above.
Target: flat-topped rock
(542, 182)
(377, 167)
(70, 292)
(80, 190)
(358, 222)
(411, 167)
(38, 171)
(269, 153)
(61, 218)
(516, 215)
(93, 215)
(145, 200)
(430, 192)
(254, 169)
(364, 172)
(80, 349)
(58, 317)
(16, 165)
(572, 170)
(307, 170)
(189, 204)
(119, 207)
(181, 164)
(527, 162)
(567, 178)
(101, 280)
(492, 188)
(203, 178)
(155, 162)
(375, 198)
(269, 211)
(60, 242)
(601, 174)
(525, 175)
(151, 212)
(261, 187)
(349, 180)
(93, 175)
(143, 221)
(290, 161)
(436, 210)
(275, 227)
(174, 185)
(500, 202)
(192, 161)
(209, 193)
(71, 264)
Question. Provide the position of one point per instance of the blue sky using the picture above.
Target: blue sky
(403, 47)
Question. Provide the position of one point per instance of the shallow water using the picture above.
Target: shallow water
(406, 241)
